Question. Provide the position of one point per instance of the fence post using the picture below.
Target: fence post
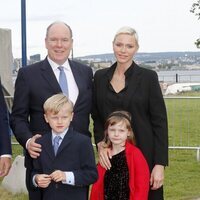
(176, 78)
(198, 154)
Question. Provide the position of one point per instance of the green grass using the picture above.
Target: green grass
(182, 176)
(183, 121)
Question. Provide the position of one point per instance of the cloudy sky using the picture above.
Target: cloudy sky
(162, 25)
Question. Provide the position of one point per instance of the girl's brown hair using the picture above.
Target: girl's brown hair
(114, 118)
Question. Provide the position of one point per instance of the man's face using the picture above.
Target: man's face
(59, 43)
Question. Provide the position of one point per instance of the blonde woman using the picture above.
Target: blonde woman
(127, 86)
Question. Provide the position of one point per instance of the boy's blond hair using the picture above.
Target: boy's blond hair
(55, 103)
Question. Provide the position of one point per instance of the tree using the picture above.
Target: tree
(196, 10)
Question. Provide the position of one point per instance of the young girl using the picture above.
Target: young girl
(128, 178)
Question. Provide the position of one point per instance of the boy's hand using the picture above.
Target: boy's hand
(43, 180)
(58, 176)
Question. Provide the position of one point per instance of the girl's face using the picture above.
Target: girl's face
(124, 47)
(118, 134)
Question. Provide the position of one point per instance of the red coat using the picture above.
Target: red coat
(138, 176)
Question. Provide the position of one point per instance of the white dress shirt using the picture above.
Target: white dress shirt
(72, 86)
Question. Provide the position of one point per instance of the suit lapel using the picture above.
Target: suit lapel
(49, 76)
(102, 90)
(132, 84)
(78, 79)
(66, 140)
(48, 147)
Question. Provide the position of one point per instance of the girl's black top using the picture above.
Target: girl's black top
(116, 180)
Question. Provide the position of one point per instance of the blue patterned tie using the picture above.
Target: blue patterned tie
(56, 142)
(63, 81)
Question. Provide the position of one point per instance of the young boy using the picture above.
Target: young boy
(66, 167)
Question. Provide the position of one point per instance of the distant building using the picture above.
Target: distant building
(17, 64)
(34, 58)
(6, 60)
(100, 65)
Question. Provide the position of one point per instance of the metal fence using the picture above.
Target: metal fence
(184, 76)
(183, 122)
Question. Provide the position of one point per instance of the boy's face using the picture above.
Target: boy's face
(60, 121)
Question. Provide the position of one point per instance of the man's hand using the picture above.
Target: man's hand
(33, 148)
(43, 180)
(157, 177)
(104, 155)
(5, 165)
(58, 176)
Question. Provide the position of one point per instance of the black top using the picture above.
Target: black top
(116, 180)
(114, 100)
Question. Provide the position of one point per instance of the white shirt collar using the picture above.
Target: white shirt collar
(55, 65)
(62, 135)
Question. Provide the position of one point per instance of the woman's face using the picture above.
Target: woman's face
(124, 47)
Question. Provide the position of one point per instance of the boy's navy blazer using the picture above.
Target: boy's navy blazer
(75, 154)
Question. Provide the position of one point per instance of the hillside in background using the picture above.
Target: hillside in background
(146, 57)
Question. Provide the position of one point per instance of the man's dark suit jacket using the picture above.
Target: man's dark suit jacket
(5, 143)
(75, 154)
(36, 83)
(144, 100)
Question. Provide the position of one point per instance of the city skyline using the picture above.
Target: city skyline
(161, 25)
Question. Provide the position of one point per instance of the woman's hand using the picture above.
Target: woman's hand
(104, 155)
(157, 177)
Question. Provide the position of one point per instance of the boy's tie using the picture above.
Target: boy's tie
(63, 81)
(56, 142)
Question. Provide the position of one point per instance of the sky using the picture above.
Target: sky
(162, 25)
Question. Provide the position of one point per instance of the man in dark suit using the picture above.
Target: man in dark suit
(65, 167)
(37, 82)
(5, 143)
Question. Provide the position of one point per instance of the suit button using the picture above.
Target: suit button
(56, 186)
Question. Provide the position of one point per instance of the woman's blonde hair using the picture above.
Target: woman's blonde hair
(114, 118)
(129, 31)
